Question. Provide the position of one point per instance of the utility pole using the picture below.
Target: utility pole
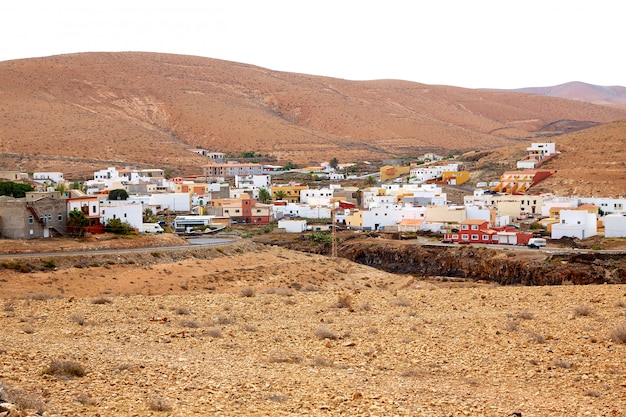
(333, 234)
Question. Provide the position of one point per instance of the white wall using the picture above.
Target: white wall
(615, 225)
(131, 213)
(292, 226)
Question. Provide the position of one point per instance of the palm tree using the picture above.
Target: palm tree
(370, 181)
(280, 195)
(264, 195)
(77, 221)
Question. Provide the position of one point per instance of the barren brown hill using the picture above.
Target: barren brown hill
(580, 91)
(592, 162)
(83, 111)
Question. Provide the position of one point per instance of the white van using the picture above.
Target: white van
(536, 242)
(151, 228)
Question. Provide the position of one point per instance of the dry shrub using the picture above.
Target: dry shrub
(101, 300)
(310, 288)
(66, 368)
(344, 301)
(511, 326)
(618, 335)
(215, 333)
(159, 404)
(85, 399)
(21, 399)
(224, 320)
(78, 319)
(400, 302)
(322, 362)
(324, 332)
(182, 311)
(277, 398)
(247, 292)
(287, 292)
(562, 364)
(525, 315)
(411, 373)
(40, 296)
(189, 323)
(582, 310)
(280, 357)
(537, 338)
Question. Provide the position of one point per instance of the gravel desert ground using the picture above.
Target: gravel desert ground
(261, 330)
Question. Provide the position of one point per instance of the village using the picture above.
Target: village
(403, 199)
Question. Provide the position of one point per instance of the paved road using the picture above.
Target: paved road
(199, 241)
(555, 250)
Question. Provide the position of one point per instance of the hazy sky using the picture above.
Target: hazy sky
(477, 43)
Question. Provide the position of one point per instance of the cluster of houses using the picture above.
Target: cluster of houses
(247, 194)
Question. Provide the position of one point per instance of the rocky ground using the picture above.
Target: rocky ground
(252, 329)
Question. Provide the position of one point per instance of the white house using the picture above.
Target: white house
(537, 153)
(292, 226)
(389, 215)
(575, 223)
(301, 210)
(320, 196)
(129, 212)
(615, 225)
(425, 173)
(55, 177)
(607, 205)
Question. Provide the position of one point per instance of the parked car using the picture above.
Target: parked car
(536, 242)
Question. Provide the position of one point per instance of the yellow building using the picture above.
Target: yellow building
(391, 172)
(291, 192)
(194, 188)
(455, 177)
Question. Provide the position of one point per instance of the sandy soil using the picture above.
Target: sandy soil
(260, 330)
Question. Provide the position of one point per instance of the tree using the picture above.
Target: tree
(118, 227)
(118, 194)
(290, 165)
(147, 215)
(264, 195)
(280, 195)
(334, 163)
(76, 185)
(14, 189)
(370, 181)
(60, 188)
(77, 222)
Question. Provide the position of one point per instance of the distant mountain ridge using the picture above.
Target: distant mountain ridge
(576, 90)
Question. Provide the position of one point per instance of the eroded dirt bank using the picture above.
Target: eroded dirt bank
(506, 266)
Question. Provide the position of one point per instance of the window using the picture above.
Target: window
(30, 219)
(60, 216)
(485, 237)
(474, 237)
(464, 237)
(474, 227)
(93, 209)
(464, 227)
(236, 210)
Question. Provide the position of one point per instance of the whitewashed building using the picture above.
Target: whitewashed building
(128, 212)
(614, 225)
(575, 223)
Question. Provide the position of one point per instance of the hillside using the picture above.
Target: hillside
(81, 112)
(592, 162)
(576, 90)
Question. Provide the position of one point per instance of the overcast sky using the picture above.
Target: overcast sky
(474, 44)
